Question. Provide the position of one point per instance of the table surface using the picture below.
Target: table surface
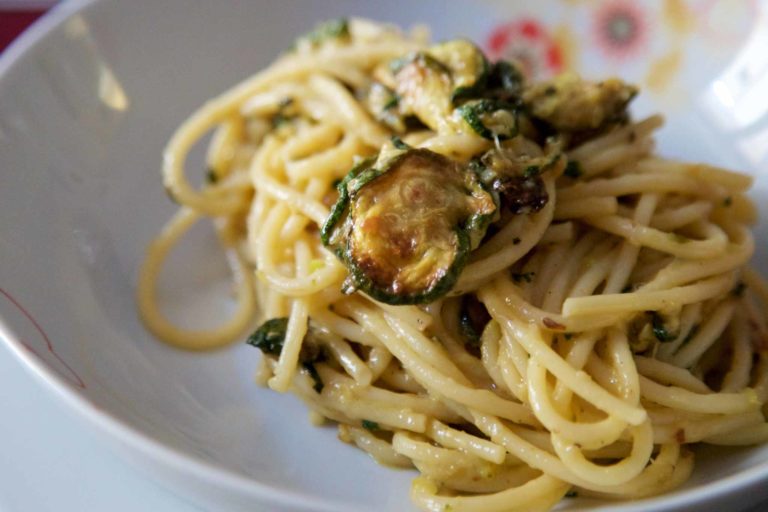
(49, 460)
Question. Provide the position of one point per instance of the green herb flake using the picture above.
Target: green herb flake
(573, 169)
(523, 276)
(399, 144)
(269, 338)
(660, 330)
(739, 289)
(571, 494)
(568, 335)
(515, 241)
(392, 102)
(333, 29)
(371, 426)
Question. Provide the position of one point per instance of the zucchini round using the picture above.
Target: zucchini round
(467, 64)
(410, 222)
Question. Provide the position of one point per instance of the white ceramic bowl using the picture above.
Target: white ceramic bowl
(90, 95)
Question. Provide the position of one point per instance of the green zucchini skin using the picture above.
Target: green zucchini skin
(340, 206)
(473, 112)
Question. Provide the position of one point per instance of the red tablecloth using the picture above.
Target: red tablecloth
(13, 22)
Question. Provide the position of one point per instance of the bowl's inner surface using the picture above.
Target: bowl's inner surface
(84, 117)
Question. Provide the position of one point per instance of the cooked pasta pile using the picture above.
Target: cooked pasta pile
(514, 294)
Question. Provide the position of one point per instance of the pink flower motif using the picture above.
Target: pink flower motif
(529, 44)
(620, 28)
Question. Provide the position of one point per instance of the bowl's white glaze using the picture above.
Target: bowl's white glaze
(90, 95)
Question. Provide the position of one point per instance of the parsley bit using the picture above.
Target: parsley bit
(370, 425)
(524, 276)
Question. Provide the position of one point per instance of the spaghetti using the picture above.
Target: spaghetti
(514, 295)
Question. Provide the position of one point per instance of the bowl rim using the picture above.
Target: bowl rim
(187, 464)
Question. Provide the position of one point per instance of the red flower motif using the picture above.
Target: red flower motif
(62, 368)
(620, 28)
(529, 44)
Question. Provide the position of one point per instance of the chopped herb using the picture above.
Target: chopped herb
(728, 201)
(573, 169)
(285, 102)
(515, 241)
(369, 425)
(523, 276)
(740, 288)
(269, 338)
(568, 335)
(333, 29)
(210, 176)
(398, 143)
(392, 103)
(319, 385)
(660, 330)
(571, 494)
(627, 289)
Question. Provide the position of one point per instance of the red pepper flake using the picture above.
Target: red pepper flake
(551, 324)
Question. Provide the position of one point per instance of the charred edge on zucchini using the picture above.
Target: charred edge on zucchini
(270, 338)
(491, 119)
(405, 227)
(515, 181)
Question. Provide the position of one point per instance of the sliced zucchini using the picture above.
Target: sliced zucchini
(383, 103)
(410, 221)
(490, 119)
(515, 180)
(570, 104)
(424, 86)
(467, 65)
